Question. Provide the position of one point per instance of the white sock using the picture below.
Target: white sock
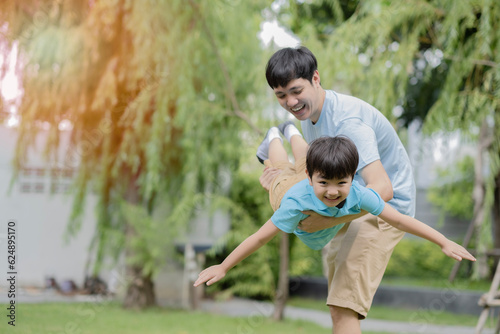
(291, 131)
(263, 149)
(273, 133)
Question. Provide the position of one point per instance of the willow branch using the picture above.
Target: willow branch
(229, 86)
(474, 61)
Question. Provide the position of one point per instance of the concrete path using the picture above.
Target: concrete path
(252, 309)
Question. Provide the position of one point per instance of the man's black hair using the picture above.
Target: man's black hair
(288, 64)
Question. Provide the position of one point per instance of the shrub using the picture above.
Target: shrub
(416, 258)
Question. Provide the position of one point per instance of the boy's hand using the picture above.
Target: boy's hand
(211, 274)
(457, 252)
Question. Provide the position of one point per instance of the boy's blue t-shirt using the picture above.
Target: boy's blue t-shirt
(301, 197)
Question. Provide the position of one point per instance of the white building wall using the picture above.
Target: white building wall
(41, 219)
(430, 152)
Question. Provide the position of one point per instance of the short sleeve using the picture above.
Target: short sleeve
(372, 202)
(363, 137)
(288, 215)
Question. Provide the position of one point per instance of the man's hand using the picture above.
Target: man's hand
(268, 176)
(315, 222)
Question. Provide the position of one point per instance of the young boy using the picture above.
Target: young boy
(327, 169)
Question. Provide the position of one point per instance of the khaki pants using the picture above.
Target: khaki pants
(292, 174)
(357, 257)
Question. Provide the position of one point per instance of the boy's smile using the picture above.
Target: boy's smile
(331, 192)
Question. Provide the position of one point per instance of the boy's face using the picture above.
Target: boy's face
(302, 98)
(330, 191)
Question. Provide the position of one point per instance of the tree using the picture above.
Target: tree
(453, 184)
(434, 60)
(158, 93)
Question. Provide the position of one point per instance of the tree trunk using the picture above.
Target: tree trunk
(282, 291)
(140, 290)
(496, 215)
(480, 207)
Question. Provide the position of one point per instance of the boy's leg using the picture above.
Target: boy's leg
(293, 135)
(277, 152)
(263, 149)
(299, 147)
(290, 175)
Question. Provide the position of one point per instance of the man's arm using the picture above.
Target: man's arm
(375, 177)
(316, 222)
(248, 246)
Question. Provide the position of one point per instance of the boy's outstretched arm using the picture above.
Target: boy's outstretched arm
(416, 227)
(248, 246)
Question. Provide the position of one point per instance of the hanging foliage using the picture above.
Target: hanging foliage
(436, 61)
(157, 93)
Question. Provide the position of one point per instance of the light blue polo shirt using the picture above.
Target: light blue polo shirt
(301, 197)
(375, 139)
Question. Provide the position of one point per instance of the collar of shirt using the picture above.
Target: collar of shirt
(351, 201)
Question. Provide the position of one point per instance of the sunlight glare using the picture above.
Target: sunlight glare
(12, 121)
(10, 88)
(272, 31)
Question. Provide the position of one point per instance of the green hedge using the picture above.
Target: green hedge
(417, 258)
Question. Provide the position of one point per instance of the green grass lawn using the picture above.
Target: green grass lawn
(110, 318)
(458, 284)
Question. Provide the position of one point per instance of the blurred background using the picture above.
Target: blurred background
(129, 131)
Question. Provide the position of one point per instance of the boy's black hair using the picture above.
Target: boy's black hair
(332, 157)
(288, 64)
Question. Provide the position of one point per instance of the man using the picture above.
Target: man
(359, 253)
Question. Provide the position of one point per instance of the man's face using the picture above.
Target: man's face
(302, 98)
